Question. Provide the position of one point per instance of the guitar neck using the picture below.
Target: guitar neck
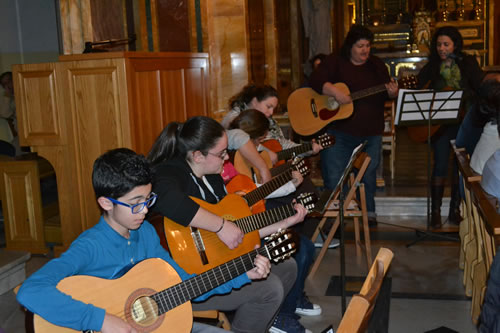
(368, 92)
(257, 221)
(185, 291)
(280, 169)
(289, 153)
(263, 191)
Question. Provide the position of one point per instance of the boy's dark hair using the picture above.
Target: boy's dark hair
(177, 139)
(118, 172)
(356, 33)
(253, 122)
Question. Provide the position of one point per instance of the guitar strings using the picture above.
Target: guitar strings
(186, 290)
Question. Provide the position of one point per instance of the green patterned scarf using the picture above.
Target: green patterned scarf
(451, 74)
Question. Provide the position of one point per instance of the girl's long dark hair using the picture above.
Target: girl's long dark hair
(177, 139)
(242, 99)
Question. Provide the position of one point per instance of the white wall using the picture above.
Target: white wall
(28, 32)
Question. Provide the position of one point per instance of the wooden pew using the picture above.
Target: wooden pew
(468, 246)
(487, 226)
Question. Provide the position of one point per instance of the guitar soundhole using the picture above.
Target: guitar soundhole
(141, 311)
(325, 114)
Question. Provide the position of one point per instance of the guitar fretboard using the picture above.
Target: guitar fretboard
(198, 285)
(263, 191)
(268, 217)
(289, 153)
(281, 168)
(367, 92)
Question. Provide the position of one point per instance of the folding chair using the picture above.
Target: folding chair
(360, 308)
(354, 207)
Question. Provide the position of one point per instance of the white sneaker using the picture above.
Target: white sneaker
(306, 308)
(333, 244)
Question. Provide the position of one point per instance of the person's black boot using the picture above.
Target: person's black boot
(454, 216)
(437, 190)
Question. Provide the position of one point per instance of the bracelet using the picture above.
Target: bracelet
(221, 226)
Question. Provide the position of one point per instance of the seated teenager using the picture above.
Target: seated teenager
(263, 99)
(121, 238)
(256, 125)
(187, 160)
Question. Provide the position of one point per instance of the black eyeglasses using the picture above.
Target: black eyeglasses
(222, 155)
(139, 207)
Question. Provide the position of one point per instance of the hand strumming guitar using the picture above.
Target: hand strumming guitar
(330, 90)
(113, 324)
(230, 234)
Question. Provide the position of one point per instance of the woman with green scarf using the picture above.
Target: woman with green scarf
(449, 69)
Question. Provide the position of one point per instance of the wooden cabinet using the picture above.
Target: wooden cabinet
(29, 223)
(72, 111)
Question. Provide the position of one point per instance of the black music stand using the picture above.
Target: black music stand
(324, 202)
(428, 107)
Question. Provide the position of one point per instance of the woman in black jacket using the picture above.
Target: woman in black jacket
(448, 68)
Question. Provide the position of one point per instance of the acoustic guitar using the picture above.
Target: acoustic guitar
(244, 167)
(309, 111)
(198, 250)
(325, 140)
(254, 195)
(140, 298)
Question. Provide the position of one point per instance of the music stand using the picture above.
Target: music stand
(428, 107)
(325, 199)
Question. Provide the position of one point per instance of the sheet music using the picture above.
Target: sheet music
(411, 105)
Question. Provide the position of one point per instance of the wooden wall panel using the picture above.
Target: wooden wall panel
(38, 120)
(23, 222)
(165, 90)
(97, 126)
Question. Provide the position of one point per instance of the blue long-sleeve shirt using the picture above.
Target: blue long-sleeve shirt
(101, 252)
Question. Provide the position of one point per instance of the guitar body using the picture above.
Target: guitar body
(243, 184)
(419, 134)
(117, 296)
(244, 167)
(182, 245)
(304, 120)
(274, 146)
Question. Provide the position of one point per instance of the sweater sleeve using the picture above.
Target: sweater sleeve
(324, 73)
(40, 295)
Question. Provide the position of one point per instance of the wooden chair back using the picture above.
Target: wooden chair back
(360, 308)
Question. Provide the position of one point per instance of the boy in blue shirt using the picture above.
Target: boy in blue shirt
(122, 238)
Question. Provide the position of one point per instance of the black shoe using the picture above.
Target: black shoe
(372, 222)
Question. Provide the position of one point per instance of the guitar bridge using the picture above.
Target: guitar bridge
(314, 109)
(200, 246)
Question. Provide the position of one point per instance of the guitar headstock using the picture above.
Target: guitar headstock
(281, 245)
(325, 140)
(299, 165)
(408, 82)
(308, 200)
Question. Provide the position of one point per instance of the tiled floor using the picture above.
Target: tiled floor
(426, 269)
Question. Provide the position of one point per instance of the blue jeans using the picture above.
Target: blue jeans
(304, 258)
(442, 149)
(334, 160)
(468, 134)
